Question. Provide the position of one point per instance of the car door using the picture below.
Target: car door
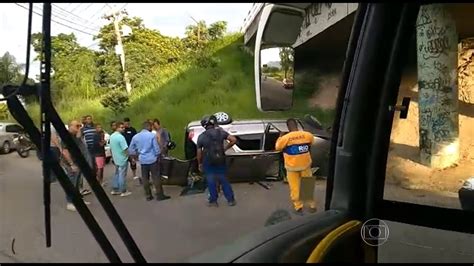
(247, 162)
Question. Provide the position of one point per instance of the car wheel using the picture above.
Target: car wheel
(223, 118)
(6, 147)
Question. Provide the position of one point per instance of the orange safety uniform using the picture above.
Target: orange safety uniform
(296, 146)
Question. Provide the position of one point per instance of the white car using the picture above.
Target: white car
(108, 153)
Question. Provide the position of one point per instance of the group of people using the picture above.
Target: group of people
(148, 146)
(127, 147)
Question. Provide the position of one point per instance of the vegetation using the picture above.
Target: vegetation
(175, 80)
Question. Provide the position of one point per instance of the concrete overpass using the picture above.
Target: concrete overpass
(326, 27)
(319, 17)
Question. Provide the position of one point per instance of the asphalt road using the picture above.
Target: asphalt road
(177, 229)
(274, 95)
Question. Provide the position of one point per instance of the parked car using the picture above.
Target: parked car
(108, 153)
(254, 156)
(8, 132)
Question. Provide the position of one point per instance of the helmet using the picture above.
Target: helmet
(210, 120)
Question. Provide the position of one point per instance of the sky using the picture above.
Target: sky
(169, 18)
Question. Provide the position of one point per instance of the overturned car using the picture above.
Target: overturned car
(253, 158)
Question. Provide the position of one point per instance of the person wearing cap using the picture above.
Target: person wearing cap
(211, 159)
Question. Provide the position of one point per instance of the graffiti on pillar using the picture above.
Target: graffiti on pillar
(423, 18)
(441, 134)
(437, 61)
(425, 142)
(436, 84)
(440, 120)
(441, 67)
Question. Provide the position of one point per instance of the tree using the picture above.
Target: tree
(10, 70)
(287, 59)
(146, 50)
(217, 30)
(197, 36)
(75, 67)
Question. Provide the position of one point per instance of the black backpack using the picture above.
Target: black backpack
(215, 153)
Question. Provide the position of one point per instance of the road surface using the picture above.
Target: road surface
(274, 95)
(177, 229)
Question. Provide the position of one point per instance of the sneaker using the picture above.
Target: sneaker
(115, 193)
(70, 207)
(164, 197)
(87, 202)
(125, 194)
(232, 203)
(135, 177)
(212, 204)
(299, 212)
(85, 192)
(313, 209)
(149, 198)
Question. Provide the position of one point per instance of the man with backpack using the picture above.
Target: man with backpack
(211, 159)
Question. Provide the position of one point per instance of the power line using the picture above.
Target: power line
(57, 21)
(68, 13)
(72, 22)
(100, 10)
(87, 7)
(76, 7)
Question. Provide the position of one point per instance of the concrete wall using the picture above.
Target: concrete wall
(321, 16)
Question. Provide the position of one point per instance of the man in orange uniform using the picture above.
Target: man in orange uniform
(296, 147)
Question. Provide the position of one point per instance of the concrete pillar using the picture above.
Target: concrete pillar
(437, 44)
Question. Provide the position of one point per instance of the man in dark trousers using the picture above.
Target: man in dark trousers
(129, 132)
(211, 159)
(145, 146)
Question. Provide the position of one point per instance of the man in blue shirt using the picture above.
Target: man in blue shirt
(145, 146)
(119, 148)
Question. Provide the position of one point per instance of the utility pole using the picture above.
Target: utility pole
(198, 30)
(115, 16)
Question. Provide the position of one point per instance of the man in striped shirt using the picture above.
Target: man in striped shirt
(89, 134)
